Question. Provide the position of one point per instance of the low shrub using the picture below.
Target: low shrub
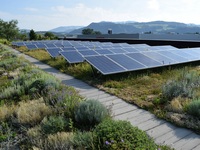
(184, 86)
(64, 99)
(193, 108)
(54, 124)
(111, 134)
(90, 113)
(83, 140)
(175, 89)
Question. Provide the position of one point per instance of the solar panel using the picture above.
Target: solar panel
(126, 62)
(50, 45)
(31, 46)
(166, 47)
(72, 56)
(88, 53)
(185, 55)
(105, 65)
(68, 49)
(82, 48)
(161, 58)
(53, 52)
(173, 56)
(193, 52)
(42, 46)
(144, 60)
(118, 51)
(59, 44)
(131, 50)
(18, 43)
(104, 52)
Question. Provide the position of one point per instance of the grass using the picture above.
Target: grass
(142, 88)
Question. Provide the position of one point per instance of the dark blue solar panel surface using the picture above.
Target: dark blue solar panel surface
(126, 62)
(144, 60)
(72, 56)
(31, 46)
(41, 46)
(105, 65)
(54, 52)
(50, 45)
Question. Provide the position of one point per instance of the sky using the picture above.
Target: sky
(43, 15)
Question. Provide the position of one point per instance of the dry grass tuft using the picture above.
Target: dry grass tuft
(6, 112)
(178, 104)
(32, 112)
(60, 140)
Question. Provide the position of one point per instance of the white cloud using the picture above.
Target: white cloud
(153, 4)
(31, 9)
(81, 14)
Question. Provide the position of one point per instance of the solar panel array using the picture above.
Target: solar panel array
(111, 58)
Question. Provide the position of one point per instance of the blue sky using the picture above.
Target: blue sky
(48, 14)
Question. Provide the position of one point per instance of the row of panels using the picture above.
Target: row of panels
(110, 58)
(54, 52)
(115, 63)
(111, 64)
(76, 44)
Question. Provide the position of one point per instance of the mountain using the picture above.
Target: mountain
(141, 27)
(65, 29)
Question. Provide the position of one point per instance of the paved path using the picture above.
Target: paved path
(161, 131)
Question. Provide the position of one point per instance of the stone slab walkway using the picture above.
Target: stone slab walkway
(160, 130)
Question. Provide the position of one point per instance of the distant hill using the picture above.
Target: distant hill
(65, 29)
(141, 27)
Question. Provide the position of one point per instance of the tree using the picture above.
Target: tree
(32, 35)
(49, 35)
(9, 30)
(89, 31)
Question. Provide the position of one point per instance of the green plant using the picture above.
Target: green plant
(184, 86)
(111, 134)
(64, 99)
(174, 89)
(54, 124)
(90, 113)
(83, 140)
(193, 108)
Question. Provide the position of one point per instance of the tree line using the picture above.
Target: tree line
(9, 30)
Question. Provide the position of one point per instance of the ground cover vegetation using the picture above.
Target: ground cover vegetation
(38, 112)
(171, 93)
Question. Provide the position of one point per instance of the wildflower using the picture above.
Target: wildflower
(122, 140)
(107, 143)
